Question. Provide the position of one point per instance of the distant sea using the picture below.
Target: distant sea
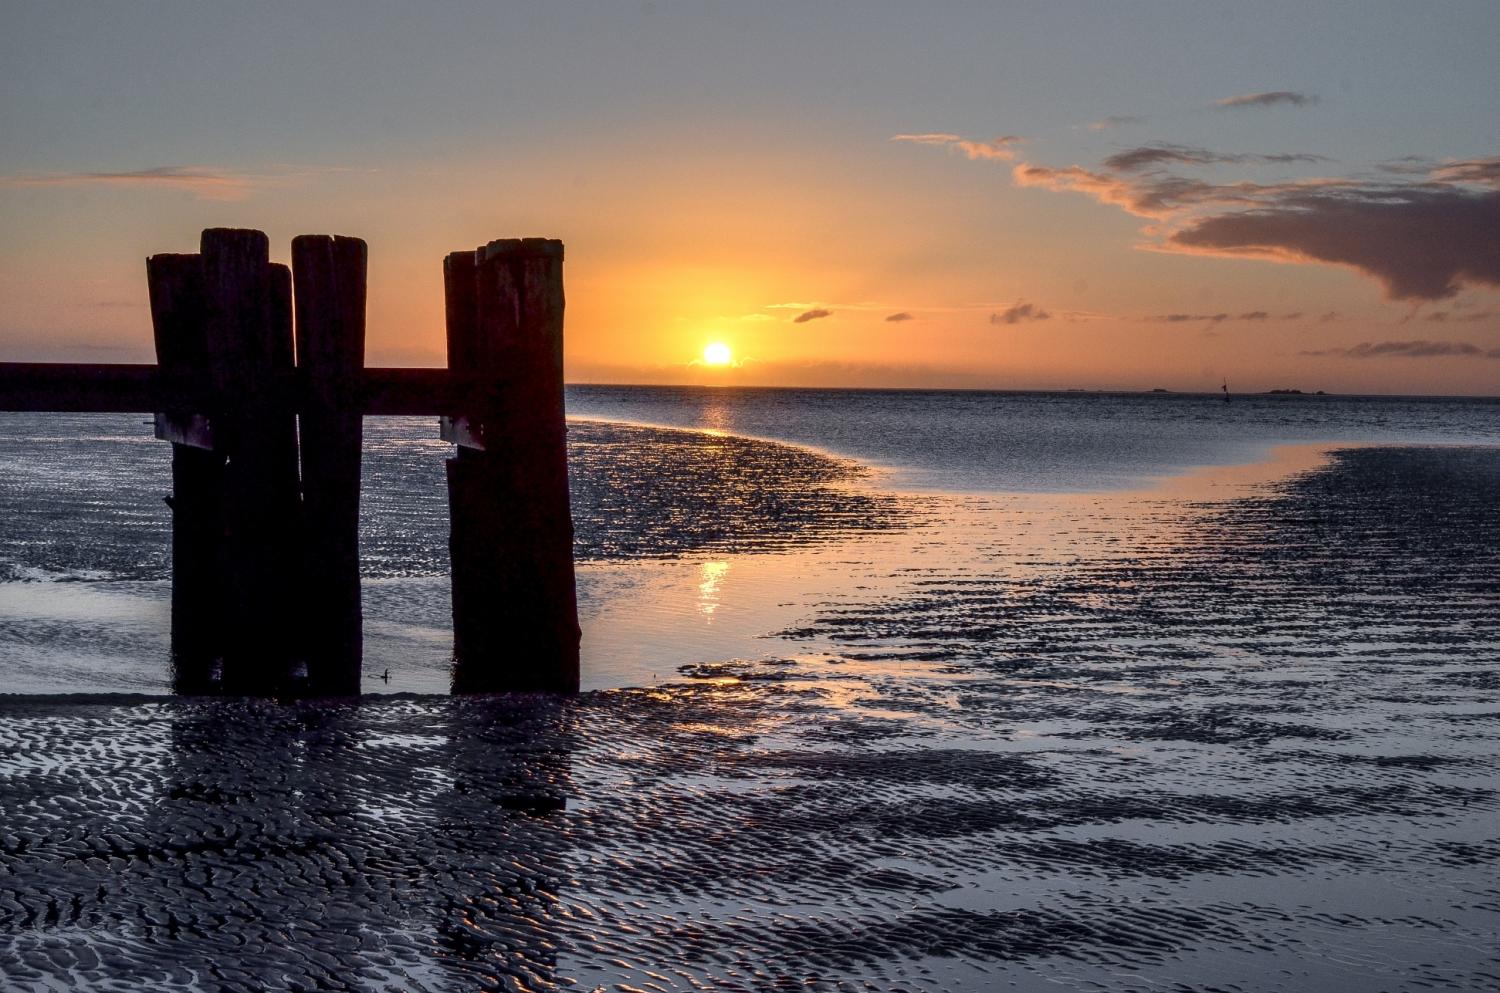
(1043, 441)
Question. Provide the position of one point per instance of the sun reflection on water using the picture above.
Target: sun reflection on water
(710, 576)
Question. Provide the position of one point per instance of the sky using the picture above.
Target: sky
(989, 195)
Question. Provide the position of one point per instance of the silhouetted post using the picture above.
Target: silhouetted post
(515, 611)
(329, 274)
(248, 304)
(177, 317)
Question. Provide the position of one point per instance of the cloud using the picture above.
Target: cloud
(817, 313)
(1422, 242)
(929, 138)
(1165, 153)
(828, 305)
(1000, 149)
(1271, 98)
(203, 182)
(1162, 195)
(1445, 317)
(1020, 312)
(1421, 236)
(1115, 121)
(1479, 172)
(1123, 193)
(1407, 165)
(1187, 318)
(1219, 317)
(1421, 239)
(1418, 349)
(902, 316)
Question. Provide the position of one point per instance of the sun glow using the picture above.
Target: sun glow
(717, 353)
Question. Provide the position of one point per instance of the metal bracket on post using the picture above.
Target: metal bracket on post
(193, 430)
(461, 431)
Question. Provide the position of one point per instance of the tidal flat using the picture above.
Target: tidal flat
(1236, 732)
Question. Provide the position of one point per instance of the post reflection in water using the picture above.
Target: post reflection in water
(411, 844)
(497, 867)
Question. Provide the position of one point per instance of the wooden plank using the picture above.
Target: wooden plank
(329, 275)
(514, 598)
(177, 318)
(248, 323)
(420, 392)
(66, 387)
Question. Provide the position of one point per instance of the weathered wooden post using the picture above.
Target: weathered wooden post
(177, 317)
(329, 274)
(248, 324)
(515, 611)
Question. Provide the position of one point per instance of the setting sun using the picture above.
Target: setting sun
(716, 353)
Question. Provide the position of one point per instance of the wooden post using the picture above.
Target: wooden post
(330, 299)
(177, 317)
(248, 310)
(515, 611)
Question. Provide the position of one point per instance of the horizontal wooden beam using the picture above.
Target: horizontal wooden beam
(68, 387)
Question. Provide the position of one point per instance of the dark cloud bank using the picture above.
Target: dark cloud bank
(1422, 239)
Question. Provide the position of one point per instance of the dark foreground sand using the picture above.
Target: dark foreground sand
(1245, 745)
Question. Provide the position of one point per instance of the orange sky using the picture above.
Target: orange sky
(1030, 242)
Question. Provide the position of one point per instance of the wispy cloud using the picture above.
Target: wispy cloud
(1018, 313)
(901, 316)
(1454, 317)
(201, 182)
(1165, 153)
(1418, 349)
(816, 314)
(1115, 121)
(1271, 98)
(829, 305)
(1473, 172)
(1187, 318)
(1217, 318)
(1000, 149)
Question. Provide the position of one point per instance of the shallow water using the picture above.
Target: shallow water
(85, 545)
(1234, 730)
(988, 441)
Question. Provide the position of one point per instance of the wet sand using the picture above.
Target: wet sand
(85, 544)
(1241, 732)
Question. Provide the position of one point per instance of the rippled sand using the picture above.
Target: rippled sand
(1232, 738)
